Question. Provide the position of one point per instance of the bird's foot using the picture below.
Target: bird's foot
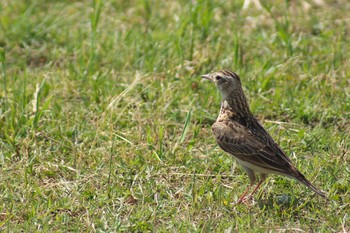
(249, 201)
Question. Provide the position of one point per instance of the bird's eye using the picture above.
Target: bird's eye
(218, 78)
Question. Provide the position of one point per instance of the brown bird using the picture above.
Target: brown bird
(238, 133)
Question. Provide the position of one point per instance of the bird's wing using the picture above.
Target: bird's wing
(238, 141)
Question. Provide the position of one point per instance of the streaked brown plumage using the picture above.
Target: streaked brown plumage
(238, 133)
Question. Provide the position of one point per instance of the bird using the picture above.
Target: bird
(238, 133)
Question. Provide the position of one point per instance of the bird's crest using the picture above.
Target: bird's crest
(230, 73)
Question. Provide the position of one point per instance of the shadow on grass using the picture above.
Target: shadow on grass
(284, 201)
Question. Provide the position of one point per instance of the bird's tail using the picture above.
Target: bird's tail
(301, 178)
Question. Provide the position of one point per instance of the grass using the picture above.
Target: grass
(105, 121)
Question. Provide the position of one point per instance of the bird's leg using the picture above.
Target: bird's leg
(262, 179)
(244, 194)
(252, 179)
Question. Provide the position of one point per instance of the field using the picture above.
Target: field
(105, 123)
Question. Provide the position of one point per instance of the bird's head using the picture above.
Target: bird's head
(226, 81)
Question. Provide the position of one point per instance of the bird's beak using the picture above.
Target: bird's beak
(207, 76)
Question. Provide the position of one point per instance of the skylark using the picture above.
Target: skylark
(238, 133)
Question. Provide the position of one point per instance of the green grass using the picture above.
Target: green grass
(105, 123)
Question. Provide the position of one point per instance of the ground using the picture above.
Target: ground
(105, 123)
